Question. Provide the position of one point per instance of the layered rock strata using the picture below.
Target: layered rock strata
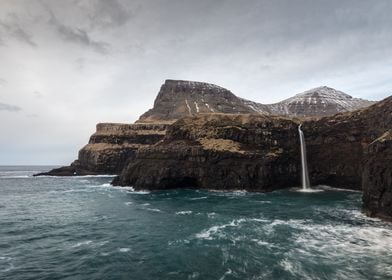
(377, 178)
(219, 151)
(111, 147)
(336, 145)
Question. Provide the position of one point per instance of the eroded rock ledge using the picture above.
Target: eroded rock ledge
(111, 147)
(220, 151)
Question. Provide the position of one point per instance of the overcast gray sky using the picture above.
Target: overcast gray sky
(66, 65)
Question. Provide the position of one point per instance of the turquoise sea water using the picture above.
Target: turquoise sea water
(83, 228)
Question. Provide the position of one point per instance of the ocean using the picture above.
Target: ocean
(84, 228)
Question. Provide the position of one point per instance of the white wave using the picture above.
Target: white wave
(211, 215)
(124, 250)
(228, 272)
(208, 233)
(309, 190)
(78, 176)
(9, 268)
(146, 204)
(341, 240)
(128, 203)
(329, 188)
(87, 242)
(261, 242)
(153, 209)
(198, 198)
(15, 177)
(287, 265)
(184, 212)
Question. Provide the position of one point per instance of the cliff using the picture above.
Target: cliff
(237, 146)
(114, 144)
(377, 178)
(336, 145)
(111, 147)
(219, 151)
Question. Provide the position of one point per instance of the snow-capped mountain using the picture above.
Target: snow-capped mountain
(318, 102)
(178, 99)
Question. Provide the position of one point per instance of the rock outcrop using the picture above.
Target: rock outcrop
(336, 145)
(111, 147)
(220, 151)
(377, 178)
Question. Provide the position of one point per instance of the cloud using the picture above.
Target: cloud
(109, 13)
(2, 82)
(77, 35)
(37, 94)
(14, 30)
(10, 108)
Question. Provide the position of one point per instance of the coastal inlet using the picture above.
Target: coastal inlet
(84, 228)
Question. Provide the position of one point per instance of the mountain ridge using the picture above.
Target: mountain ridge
(181, 98)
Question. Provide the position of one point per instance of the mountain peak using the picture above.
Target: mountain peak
(318, 102)
(180, 98)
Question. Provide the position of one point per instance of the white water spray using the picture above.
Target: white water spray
(304, 164)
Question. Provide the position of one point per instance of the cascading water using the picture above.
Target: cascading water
(304, 164)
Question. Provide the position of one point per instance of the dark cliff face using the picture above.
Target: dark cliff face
(377, 178)
(111, 147)
(251, 152)
(261, 153)
(336, 145)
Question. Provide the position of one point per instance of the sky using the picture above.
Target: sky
(66, 65)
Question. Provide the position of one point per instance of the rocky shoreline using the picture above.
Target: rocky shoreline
(203, 136)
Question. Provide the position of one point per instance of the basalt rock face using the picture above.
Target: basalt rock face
(177, 99)
(252, 152)
(336, 145)
(111, 147)
(377, 178)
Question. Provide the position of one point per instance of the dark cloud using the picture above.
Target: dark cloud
(77, 35)
(109, 13)
(10, 108)
(14, 30)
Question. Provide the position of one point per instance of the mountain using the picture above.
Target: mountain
(177, 99)
(318, 102)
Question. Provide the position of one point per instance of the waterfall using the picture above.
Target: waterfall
(304, 164)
